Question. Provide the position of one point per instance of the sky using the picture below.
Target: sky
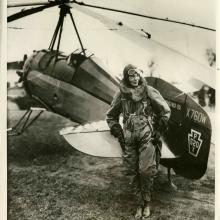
(35, 32)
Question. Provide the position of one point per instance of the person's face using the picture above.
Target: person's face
(134, 79)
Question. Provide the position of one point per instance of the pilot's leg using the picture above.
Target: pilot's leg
(131, 162)
(147, 171)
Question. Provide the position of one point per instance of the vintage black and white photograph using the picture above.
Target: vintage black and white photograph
(111, 109)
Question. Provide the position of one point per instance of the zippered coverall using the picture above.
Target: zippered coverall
(138, 107)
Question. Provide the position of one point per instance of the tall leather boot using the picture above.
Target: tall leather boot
(146, 211)
(138, 214)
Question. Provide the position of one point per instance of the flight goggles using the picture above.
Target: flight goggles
(132, 72)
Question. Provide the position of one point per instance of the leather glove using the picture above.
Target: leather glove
(156, 135)
(163, 125)
(161, 128)
(117, 132)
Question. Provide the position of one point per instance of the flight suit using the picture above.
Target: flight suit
(138, 108)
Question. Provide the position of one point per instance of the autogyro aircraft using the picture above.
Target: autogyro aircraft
(77, 86)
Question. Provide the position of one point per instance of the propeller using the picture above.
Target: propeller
(179, 64)
(43, 5)
(30, 11)
(144, 16)
(26, 4)
(58, 2)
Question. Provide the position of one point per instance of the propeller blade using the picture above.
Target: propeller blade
(142, 15)
(168, 61)
(30, 11)
(26, 4)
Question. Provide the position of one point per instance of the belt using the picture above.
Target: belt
(137, 122)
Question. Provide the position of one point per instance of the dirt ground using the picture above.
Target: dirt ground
(48, 179)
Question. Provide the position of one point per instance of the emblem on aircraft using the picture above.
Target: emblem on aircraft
(194, 142)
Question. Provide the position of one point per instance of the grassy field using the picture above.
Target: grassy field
(48, 179)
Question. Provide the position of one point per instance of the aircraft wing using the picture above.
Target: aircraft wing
(95, 139)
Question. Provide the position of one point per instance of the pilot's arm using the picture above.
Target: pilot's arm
(112, 116)
(160, 106)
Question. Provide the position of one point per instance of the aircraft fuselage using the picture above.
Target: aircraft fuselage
(74, 86)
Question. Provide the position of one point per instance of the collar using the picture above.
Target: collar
(135, 94)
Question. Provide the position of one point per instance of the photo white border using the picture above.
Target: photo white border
(217, 116)
(3, 104)
(3, 118)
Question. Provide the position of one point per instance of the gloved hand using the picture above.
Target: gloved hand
(156, 135)
(163, 124)
(117, 132)
(160, 129)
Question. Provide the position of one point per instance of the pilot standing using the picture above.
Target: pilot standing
(139, 105)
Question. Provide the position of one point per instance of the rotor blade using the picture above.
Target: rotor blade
(168, 61)
(26, 4)
(30, 11)
(145, 16)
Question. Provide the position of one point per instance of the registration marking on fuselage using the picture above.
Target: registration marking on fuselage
(196, 115)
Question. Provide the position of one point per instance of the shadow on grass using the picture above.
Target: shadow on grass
(40, 139)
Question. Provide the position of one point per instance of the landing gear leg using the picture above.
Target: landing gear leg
(171, 184)
(25, 121)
